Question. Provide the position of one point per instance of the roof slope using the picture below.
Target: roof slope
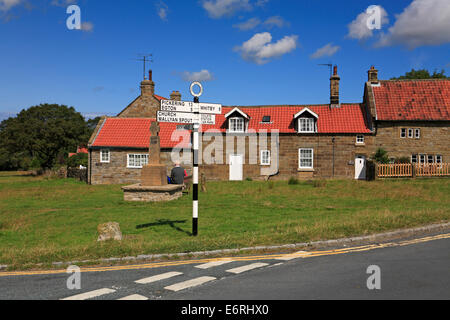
(349, 118)
(412, 100)
(135, 133)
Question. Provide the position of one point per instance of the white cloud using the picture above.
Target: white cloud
(163, 10)
(260, 49)
(202, 76)
(276, 21)
(220, 8)
(358, 28)
(328, 51)
(5, 5)
(87, 26)
(423, 22)
(62, 3)
(248, 25)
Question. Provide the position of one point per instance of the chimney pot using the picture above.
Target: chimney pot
(373, 75)
(175, 95)
(334, 88)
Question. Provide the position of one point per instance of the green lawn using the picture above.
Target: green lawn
(43, 221)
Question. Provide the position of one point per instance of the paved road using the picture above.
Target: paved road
(410, 269)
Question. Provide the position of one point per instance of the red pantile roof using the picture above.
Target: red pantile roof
(135, 132)
(412, 100)
(349, 118)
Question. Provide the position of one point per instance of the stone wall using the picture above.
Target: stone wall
(344, 148)
(434, 139)
(345, 151)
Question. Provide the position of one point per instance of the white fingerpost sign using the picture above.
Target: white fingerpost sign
(195, 114)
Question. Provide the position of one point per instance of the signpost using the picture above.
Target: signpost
(195, 114)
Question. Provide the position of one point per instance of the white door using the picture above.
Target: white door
(360, 168)
(236, 167)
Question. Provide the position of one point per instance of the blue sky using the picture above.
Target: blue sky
(246, 52)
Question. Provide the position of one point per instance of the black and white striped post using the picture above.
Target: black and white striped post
(196, 144)
(195, 174)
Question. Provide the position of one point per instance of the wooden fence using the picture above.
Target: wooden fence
(413, 170)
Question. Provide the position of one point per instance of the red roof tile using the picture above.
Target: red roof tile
(135, 132)
(413, 100)
(349, 118)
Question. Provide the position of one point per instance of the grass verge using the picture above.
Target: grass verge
(48, 220)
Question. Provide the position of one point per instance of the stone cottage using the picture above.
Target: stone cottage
(406, 118)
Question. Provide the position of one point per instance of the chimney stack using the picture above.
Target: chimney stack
(373, 75)
(334, 88)
(175, 95)
(148, 86)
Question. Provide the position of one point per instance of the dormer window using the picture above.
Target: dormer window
(236, 125)
(237, 121)
(306, 121)
(306, 125)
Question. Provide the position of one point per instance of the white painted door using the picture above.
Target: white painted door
(236, 167)
(360, 168)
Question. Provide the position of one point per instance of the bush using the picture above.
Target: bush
(293, 181)
(80, 159)
(381, 156)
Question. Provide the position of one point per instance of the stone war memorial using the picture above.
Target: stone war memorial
(154, 186)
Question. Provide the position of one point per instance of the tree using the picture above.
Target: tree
(381, 156)
(423, 74)
(40, 135)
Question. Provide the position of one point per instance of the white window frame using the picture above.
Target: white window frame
(310, 125)
(232, 129)
(423, 159)
(416, 157)
(417, 133)
(300, 158)
(362, 140)
(403, 133)
(265, 158)
(106, 159)
(411, 133)
(439, 159)
(430, 157)
(140, 164)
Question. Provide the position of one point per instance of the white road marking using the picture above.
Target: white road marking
(159, 277)
(135, 297)
(213, 264)
(297, 255)
(91, 294)
(190, 283)
(247, 268)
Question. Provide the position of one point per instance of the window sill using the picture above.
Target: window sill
(360, 144)
(306, 170)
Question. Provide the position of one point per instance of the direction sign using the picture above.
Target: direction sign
(182, 117)
(210, 108)
(184, 106)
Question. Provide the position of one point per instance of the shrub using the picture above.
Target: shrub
(381, 156)
(80, 159)
(293, 181)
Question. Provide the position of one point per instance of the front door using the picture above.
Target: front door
(360, 168)
(236, 167)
